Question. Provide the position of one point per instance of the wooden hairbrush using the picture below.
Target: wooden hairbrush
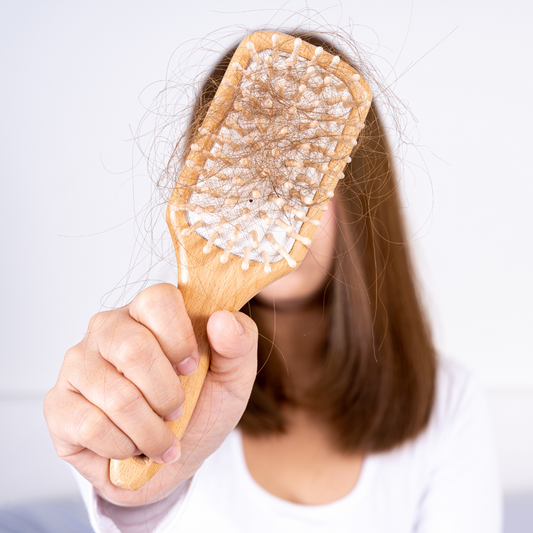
(259, 175)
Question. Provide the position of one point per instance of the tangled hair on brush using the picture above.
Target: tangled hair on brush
(378, 364)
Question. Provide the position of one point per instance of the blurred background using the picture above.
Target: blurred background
(77, 80)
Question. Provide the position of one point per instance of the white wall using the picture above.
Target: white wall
(72, 74)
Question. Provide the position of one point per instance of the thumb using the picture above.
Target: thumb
(233, 340)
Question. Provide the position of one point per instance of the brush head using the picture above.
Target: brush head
(270, 152)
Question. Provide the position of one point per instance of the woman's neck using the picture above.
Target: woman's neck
(298, 331)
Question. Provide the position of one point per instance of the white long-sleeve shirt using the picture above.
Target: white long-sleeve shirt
(444, 481)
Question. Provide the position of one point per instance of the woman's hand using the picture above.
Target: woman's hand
(116, 387)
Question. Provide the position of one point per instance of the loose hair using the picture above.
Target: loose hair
(378, 363)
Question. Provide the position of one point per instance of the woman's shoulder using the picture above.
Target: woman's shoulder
(459, 399)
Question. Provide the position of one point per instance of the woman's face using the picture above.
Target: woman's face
(311, 275)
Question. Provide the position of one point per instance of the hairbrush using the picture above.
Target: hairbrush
(257, 177)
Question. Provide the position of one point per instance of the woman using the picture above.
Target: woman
(351, 423)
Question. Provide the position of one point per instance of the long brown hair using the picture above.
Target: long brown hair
(378, 365)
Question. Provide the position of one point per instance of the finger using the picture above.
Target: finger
(233, 340)
(103, 386)
(63, 411)
(135, 352)
(161, 309)
(76, 424)
(95, 469)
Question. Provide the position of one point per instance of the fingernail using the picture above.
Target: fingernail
(238, 325)
(137, 452)
(172, 454)
(178, 413)
(187, 367)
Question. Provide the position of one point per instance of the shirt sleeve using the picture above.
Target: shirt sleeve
(463, 491)
(158, 517)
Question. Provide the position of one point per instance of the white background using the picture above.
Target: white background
(76, 78)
